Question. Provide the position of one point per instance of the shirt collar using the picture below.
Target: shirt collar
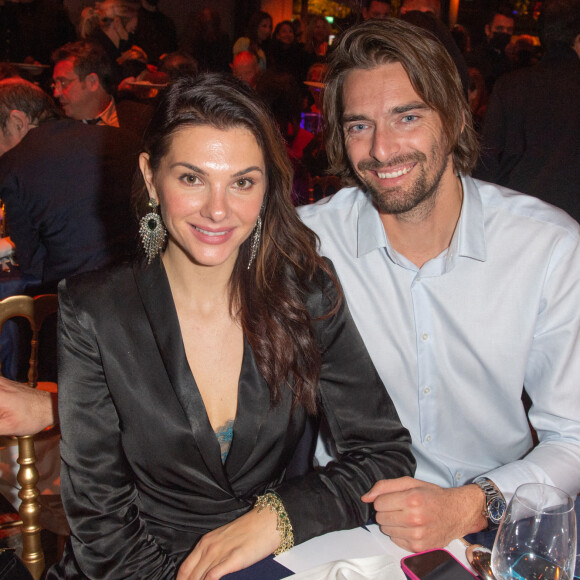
(109, 115)
(469, 237)
(468, 240)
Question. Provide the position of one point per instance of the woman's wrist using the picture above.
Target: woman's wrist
(273, 502)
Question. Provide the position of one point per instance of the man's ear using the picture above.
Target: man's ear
(147, 175)
(18, 124)
(92, 81)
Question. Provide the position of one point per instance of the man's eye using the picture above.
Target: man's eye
(357, 127)
(409, 118)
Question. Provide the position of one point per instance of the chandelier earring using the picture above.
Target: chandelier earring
(152, 231)
(255, 240)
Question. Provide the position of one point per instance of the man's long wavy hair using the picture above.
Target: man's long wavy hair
(430, 69)
(269, 298)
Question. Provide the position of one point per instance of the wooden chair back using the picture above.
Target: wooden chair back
(35, 310)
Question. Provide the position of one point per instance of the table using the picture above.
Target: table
(267, 569)
(345, 545)
(270, 569)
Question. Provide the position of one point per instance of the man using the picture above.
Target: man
(464, 292)
(525, 146)
(65, 186)
(246, 68)
(66, 191)
(15, 123)
(376, 9)
(490, 57)
(83, 83)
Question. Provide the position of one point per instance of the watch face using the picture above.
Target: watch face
(496, 509)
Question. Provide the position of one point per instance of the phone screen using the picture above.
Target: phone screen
(436, 565)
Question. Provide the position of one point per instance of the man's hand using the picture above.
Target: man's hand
(422, 516)
(232, 547)
(23, 410)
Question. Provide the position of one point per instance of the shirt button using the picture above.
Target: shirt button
(418, 279)
(427, 438)
(426, 390)
(424, 336)
(458, 476)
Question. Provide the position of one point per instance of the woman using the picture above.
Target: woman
(257, 38)
(186, 378)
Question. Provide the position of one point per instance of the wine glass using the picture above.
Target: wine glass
(537, 536)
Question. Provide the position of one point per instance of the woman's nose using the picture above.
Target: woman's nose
(216, 206)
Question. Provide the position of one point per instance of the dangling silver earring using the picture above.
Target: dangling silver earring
(152, 231)
(255, 240)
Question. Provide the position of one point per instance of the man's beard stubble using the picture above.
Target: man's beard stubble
(422, 193)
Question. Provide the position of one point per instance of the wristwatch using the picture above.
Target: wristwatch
(495, 503)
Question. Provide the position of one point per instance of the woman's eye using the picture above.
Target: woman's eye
(244, 183)
(190, 179)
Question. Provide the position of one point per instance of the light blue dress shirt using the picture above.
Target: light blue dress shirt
(456, 340)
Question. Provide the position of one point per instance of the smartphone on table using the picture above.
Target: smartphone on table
(435, 565)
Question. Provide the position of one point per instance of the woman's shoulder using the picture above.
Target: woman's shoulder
(98, 284)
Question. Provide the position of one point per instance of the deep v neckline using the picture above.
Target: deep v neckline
(233, 419)
(253, 392)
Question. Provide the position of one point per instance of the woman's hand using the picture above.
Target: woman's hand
(232, 547)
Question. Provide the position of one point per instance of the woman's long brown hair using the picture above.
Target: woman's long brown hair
(269, 298)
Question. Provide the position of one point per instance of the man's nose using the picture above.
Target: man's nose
(385, 143)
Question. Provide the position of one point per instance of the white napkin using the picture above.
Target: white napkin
(373, 568)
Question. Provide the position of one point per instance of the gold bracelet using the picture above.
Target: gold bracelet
(283, 525)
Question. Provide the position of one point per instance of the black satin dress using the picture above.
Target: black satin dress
(142, 476)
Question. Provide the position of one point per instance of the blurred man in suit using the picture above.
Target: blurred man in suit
(66, 190)
(84, 85)
(531, 140)
(65, 186)
(490, 57)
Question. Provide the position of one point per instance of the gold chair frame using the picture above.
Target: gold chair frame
(35, 310)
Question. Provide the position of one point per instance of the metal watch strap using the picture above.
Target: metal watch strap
(495, 503)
